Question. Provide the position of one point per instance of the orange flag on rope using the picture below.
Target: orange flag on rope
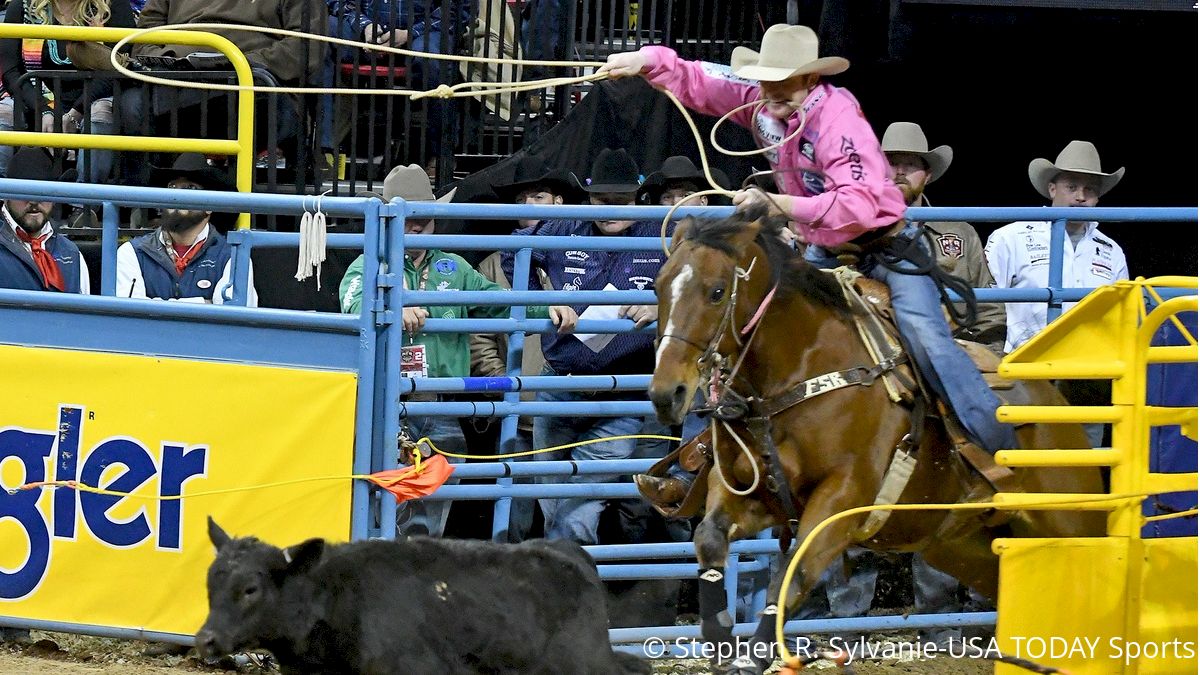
(412, 482)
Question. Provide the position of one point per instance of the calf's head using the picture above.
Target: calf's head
(245, 589)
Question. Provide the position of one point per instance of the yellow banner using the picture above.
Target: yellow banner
(157, 427)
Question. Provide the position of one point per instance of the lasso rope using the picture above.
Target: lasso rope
(460, 90)
(443, 91)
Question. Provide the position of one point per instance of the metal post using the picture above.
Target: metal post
(108, 249)
(393, 280)
(1058, 236)
(502, 513)
(364, 405)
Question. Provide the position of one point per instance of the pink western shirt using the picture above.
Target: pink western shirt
(835, 168)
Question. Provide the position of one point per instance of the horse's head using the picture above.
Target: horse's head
(717, 276)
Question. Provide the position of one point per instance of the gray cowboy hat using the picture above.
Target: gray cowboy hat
(410, 183)
(1077, 157)
(195, 167)
(614, 171)
(908, 137)
(532, 172)
(786, 51)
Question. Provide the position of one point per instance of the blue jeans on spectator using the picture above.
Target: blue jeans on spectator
(927, 338)
(94, 165)
(577, 519)
(520, 511)
(421, 516)
(544, 33)
(428, 74)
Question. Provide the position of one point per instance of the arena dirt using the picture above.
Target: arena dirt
(61, 654)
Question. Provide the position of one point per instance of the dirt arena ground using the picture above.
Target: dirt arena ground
(61, 654)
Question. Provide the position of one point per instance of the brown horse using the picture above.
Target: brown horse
(833, 449)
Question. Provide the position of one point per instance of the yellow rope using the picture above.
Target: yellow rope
(416, 468)
(1168, 516)
(781, 616)
(526, 453)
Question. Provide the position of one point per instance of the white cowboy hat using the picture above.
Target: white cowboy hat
(786, 51)
(908, 137)
(1077, 157)
(410, 183)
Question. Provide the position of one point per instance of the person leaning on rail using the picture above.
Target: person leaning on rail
(614, 182)
(433, 354)
(33, 256)
(1019, 255)
(184, 258)
(533, 183)
(838, 191)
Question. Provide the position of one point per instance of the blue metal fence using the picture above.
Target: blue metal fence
(370, 345)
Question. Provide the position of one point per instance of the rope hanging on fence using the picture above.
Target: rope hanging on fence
(313, 235)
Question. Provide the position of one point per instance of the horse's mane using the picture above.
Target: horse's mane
(795, 275)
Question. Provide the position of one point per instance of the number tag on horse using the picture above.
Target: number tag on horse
(412, 361)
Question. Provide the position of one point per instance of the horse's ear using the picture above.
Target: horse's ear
(681, 227)
(748, 232)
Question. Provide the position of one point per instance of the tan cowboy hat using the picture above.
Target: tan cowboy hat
(908, 137)
(410, 183)
(1077, 157)
(786, 51)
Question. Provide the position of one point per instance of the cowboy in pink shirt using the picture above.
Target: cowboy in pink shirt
(838, 189)
(835, 178)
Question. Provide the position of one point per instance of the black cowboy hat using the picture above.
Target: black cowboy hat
(680, 168)
(195, 167)
(33, 163)
(614, 171)
(532, 172)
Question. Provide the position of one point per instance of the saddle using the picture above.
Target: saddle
(870, 301)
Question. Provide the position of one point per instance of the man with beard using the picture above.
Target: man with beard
(956, 244)
(33, 257)
(185, 258)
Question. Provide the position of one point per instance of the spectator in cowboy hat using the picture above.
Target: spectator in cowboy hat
(435, 354)
(678, 178)
(1016, 253)
(33, 256)
(956, 244)
(535, 183)
(614, 181)
(185, 258)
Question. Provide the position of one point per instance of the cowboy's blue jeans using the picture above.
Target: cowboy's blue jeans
(577, 519)
(946, 367)
(421, 516)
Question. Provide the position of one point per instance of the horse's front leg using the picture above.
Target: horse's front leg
(713, 535)
(830, 496)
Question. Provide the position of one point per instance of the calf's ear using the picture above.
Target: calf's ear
(216, 535)
(303, 556)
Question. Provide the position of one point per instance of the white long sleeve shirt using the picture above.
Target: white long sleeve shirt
(1018, 255)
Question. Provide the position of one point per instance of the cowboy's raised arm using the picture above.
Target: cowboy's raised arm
(707, 88)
